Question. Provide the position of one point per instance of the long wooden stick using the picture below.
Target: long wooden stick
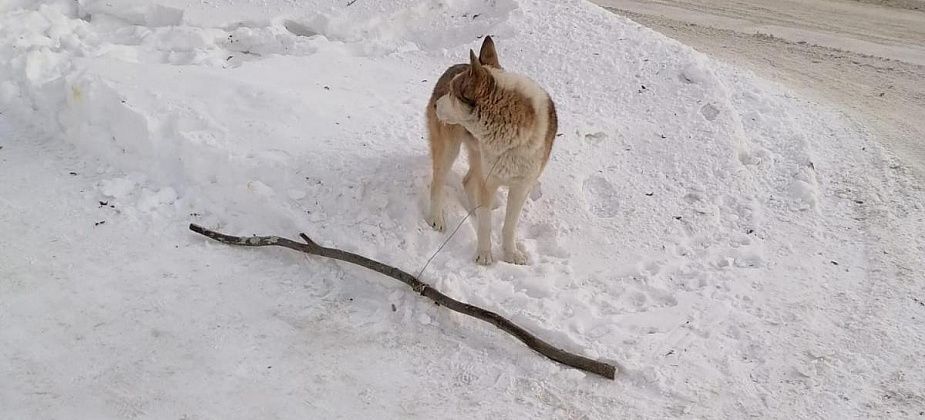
(310, 247)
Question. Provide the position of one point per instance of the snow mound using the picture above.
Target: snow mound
(675, 189)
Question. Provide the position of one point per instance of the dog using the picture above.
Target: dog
(508, 124)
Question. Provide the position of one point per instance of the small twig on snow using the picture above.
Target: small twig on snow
(310, 247)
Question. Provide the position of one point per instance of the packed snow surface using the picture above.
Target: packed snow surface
(736, 250)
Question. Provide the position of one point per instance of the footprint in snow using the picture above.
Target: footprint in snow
(596, 138)
(709, 111)
(601, 196)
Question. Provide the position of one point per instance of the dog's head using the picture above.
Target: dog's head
(470, 87)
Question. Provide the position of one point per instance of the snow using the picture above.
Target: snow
(736, 250)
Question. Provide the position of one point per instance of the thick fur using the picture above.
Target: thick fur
(508, 124)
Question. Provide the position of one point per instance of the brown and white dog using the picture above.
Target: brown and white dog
(508, 124)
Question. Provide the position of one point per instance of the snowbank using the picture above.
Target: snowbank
(680, 211)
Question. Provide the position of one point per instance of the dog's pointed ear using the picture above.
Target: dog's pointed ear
(475, 67)
(488, 55)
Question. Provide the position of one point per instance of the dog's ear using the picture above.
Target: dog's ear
(475, 67)
(488, 55)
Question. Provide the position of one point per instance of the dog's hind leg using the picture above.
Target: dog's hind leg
(474, 177)
(516, 196)
(444, 147)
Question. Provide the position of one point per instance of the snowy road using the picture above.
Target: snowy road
(867, 57)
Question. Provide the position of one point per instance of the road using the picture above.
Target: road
(866, 57)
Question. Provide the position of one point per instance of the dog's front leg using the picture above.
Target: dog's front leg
(516, 196)
(443, 153)
(483, 214)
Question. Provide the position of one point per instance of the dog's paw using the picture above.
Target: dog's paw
(484, 258)
(437, 221)
(515, 257)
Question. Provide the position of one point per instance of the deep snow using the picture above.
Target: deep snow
(737, 250)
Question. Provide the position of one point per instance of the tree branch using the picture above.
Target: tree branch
(310, 247)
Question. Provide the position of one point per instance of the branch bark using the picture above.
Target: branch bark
(310, 247)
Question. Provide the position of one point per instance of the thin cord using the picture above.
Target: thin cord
(445, 242)
(459, 225)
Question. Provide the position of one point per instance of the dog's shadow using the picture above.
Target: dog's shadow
(393, 192)
(457, 203)
(403, 179)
